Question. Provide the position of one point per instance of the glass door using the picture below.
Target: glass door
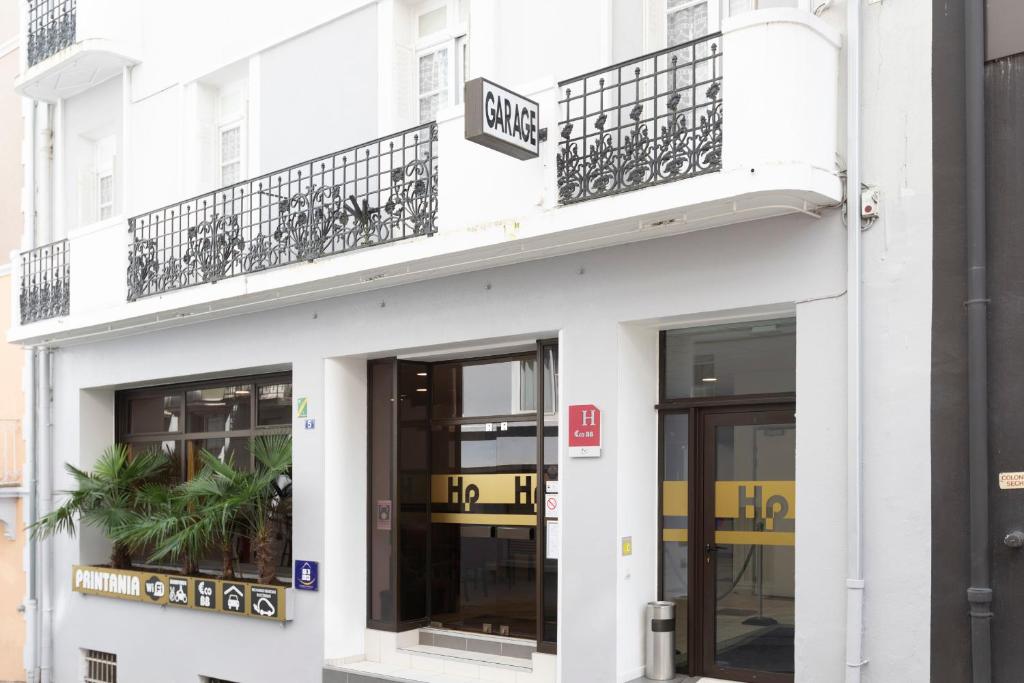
(748, 473)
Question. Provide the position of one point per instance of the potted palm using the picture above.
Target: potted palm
(107, 498)
(220, 504)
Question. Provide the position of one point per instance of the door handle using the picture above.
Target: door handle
(712, 548)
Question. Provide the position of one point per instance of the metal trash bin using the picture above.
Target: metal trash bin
(660, 663)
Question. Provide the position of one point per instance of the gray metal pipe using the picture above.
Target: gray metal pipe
(979, 594)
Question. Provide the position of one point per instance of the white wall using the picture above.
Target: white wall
(605, 317)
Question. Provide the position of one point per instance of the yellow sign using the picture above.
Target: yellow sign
(772, 503)
(469, 492)
(627, 546)
(201, 593)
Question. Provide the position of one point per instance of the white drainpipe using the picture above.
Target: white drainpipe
(46, 496)
(854, 354)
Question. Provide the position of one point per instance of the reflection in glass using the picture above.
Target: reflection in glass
(219, 409)
(274, 403)
(755, 512)
(726, 360)
(675, 525)
(154, 414)
(483, 389)
(484, 514)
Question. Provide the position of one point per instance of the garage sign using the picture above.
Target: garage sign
(502, 120)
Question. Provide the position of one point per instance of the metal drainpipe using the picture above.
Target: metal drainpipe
(46, 494)
(979, 594)
(854, 356)
(29, 426)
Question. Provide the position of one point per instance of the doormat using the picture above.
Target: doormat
(769, 650)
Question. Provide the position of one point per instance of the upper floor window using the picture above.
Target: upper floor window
(686, 20)
(106, 194)
(441, 52)
(231, 153)
(97, 180)
(231, 111)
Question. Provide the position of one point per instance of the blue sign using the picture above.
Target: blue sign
(307, 575)
(310, 423)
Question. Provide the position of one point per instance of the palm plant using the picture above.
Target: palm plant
(163, 511)
(221, 503)
(107, 498)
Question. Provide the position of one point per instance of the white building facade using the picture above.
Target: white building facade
(251, 218)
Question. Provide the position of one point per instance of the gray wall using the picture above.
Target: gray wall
(1004, 93)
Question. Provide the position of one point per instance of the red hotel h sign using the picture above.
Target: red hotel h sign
(584, 431)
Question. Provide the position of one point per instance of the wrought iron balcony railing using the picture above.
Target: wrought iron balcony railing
(649, 120)
(378, 192)
(45, 282)
(51, 28)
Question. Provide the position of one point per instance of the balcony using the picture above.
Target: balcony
(375, 193)
(646, 121)
(734, 127)
(72, 45)
(51, 28)
(45, 283)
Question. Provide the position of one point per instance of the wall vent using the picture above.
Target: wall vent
(100, 667)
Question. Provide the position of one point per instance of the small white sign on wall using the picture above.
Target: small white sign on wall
(1011, 480)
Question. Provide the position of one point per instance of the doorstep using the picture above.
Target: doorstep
(441, 656)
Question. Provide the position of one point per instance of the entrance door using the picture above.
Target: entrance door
(747, 477)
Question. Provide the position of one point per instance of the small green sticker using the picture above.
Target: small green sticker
(302, 408)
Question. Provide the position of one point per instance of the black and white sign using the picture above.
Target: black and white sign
(205, 593)
(502, 120)
(177, 593)
(155, 588)
(232, 597)
(263, 602)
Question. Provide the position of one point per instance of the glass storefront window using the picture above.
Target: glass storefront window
(155, 414)
(219, 409)
(728, 360)
(482, 389)
(182, 420)
(274, 405)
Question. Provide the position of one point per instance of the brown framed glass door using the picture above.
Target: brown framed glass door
(746, 542)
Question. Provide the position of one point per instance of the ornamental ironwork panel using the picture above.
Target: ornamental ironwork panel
(649, 120)
(51, 28)
(375, 193)
(45, 282)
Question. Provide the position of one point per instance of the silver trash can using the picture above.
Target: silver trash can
(660, 620)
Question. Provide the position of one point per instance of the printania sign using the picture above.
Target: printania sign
(502, 120)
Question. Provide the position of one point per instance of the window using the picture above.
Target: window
(106, 194)
(686, 20)
(230, 154)
(441, 52)
(221, 417)
(100, 667)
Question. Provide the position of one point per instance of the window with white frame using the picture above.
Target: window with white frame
(99, 667)
(441, 52)
(230, 153)
(686, 20)
(105, 194)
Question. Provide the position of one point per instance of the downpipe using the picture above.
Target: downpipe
(46, 494)
(854, 358)
(979, 594)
